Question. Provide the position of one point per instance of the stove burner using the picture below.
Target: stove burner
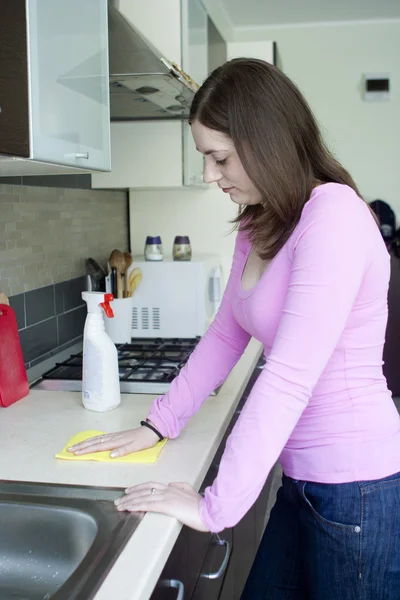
(145, 366)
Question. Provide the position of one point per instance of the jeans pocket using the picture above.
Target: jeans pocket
(334, 505)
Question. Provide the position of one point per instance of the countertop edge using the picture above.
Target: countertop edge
(158, 533)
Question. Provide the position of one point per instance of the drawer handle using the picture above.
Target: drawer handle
(224, 564)
(174, 583)
(81, 154)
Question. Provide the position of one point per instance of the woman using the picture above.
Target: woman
(309, 280)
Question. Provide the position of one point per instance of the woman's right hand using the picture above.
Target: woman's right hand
(119, 443)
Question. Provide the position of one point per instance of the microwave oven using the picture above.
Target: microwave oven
(176, 299)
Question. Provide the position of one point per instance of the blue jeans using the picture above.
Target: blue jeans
(330, 542)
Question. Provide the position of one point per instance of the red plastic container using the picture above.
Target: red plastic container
(13, 379)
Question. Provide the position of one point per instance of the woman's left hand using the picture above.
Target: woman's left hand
(177, 500)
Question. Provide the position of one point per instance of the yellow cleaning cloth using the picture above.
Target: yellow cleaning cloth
(149, 455)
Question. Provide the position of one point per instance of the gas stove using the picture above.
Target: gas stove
(146, 366)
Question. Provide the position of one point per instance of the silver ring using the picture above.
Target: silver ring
(153, 491)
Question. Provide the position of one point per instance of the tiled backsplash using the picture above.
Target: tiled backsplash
(45, 236)
(46, 233)
(49, 318)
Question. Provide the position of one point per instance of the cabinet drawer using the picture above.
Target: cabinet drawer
(184, 564)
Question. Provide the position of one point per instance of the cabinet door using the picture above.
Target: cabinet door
(193, 161)
(195, 40)
(68, 64)
(212, 575)
(184, 564)
(195, 63)
(14, 102)
(144, 155)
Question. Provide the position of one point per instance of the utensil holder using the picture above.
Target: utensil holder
(119, 328)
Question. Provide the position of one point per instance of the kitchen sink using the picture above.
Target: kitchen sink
(58, 542)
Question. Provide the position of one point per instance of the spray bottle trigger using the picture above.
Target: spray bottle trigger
(106, 305)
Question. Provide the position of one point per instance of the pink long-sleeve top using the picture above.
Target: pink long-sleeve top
(321, 404)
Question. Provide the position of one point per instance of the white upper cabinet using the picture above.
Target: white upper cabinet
(160, 153)
(54, 95)
(194, 62)
(144, 154)
(195, 40)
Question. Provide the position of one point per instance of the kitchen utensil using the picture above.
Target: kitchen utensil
(114, 282)
(134, 277)
(182, 249)
(117, 260)
(94, 268)
(153, 249)
(97, 273)
(149, 455)
(108, 283)
(4, 299)
(90, 284)
(128, 262)
(13, 379)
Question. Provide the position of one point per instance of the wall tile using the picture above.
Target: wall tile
(39, 305)
(72, 291)
(48, 232)
(39, 339)
(59, 296)
(70, 325)
(18, 304)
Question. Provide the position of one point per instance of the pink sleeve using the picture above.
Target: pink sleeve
(329, 256)
(208, 366)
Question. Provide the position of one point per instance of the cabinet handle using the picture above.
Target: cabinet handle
(174, 583)
(81, 154)
(221, 570)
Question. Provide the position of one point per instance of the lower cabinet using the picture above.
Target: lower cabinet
(198, 563)
(181, 572)
(213, 573)
(204, 566)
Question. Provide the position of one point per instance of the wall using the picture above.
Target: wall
(203, 215)
(45, 236)
(328, 62)
(258, 49)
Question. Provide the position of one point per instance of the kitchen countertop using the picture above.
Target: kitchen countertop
(38, 426)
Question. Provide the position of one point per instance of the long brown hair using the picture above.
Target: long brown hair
(278, 142)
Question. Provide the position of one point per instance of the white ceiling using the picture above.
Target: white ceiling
(263, 13)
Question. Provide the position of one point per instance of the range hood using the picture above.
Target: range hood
(143, 83)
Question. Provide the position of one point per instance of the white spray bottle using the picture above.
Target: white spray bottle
(100, 378)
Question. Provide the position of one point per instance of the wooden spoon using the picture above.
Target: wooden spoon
(3, 300)
(117, 260)
(128, 262)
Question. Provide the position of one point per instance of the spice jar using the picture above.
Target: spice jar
(182, 249)
(153, 249)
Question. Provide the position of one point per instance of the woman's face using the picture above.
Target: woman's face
(223, 166)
